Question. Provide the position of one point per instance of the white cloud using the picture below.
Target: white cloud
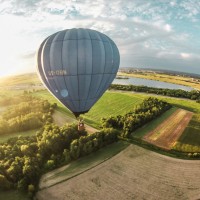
(143, 30)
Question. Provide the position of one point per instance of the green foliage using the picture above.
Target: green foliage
(5, 184)
(30, 113)
(31, 188)
(90, 143)
(194, 94)
(67, 157)
(85, 163)
(193, 150)
(148, 110)
(24, 159)
(50, 164)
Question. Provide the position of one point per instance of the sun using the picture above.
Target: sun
(13, 46)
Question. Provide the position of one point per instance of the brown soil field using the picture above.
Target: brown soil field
(168, 132)
(134, 173)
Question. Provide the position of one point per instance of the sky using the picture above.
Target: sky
(161, 34)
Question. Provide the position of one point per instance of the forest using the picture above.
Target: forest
(24, 112)
(193, 95)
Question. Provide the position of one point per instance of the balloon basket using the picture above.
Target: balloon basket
(81, 126)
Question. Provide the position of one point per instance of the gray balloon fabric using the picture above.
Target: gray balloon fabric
(77, 66)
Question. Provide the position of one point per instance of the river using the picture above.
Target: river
(150, 83)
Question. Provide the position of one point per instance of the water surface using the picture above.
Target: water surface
(150, 83)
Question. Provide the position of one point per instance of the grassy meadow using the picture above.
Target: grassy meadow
(111, 103)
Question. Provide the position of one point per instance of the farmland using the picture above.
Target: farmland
(140, 132)
(168, 132)
(134, 173)
(114, 103)
(111, 103)
(79, 166)
(130, 165)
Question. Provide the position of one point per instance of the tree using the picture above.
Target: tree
(4, 183)
(50, 164)
(75, 149)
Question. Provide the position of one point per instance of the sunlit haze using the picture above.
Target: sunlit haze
(149, 34)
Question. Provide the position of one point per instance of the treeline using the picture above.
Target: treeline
(24, 159)
(30, 113)
(188, 148)
(193, 95)
(148, 110)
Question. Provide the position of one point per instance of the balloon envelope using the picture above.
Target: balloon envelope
(77, 66)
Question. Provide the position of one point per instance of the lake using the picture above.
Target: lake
(150, 83)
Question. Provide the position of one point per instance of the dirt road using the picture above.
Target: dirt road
(61, 118)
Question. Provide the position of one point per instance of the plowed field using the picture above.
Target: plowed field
(167, 133)
(135, 173)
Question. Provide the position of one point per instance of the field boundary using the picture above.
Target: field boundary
(169, 131)
(150, 126)
(60, 179)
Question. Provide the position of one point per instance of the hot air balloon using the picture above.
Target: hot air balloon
(77, 66)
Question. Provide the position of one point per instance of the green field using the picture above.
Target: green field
(111, 103)
(4, 138)
(29, 79)
(139, 133)
(192, 132)
(79, 166)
